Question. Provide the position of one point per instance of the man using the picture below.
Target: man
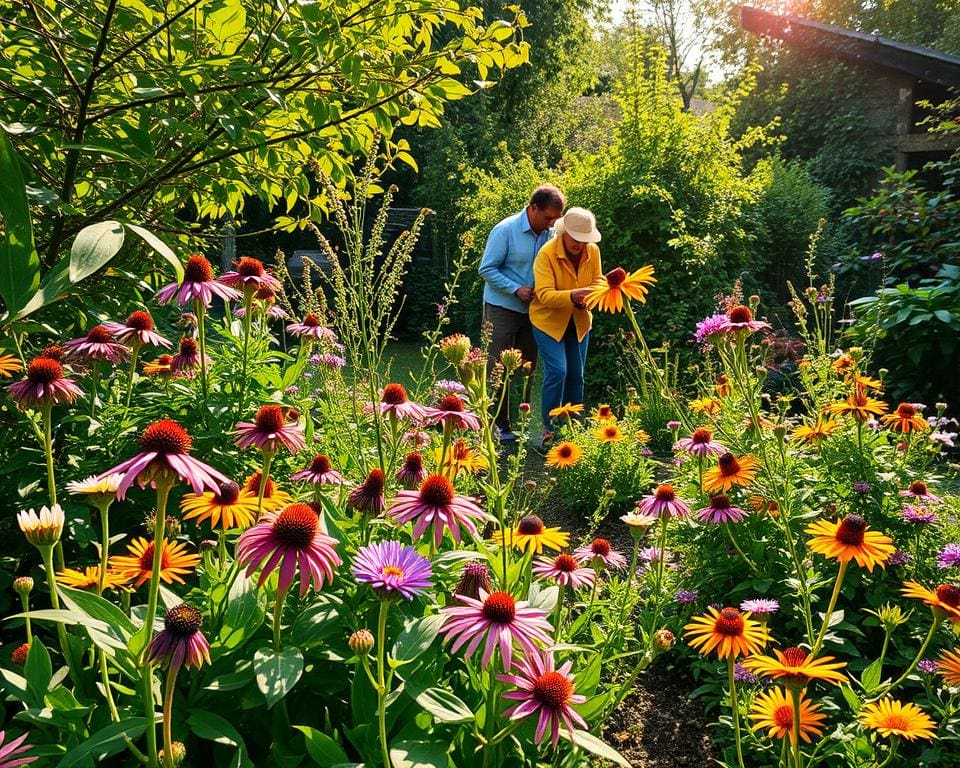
(507, 269)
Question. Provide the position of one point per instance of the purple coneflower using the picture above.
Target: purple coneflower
(198, 285)
(760, 606)
(451, 413)
(328, 360)
(411, 472)
(164, 449)
(187, 359)
(663, 501)
(740, 318)
(436, 505)
(709, 329)
(312, 328)
(392, 569)
(566, 570)
(11, 753)
(44, 385)
(501, 619)
(649, 556)
(393, 400)
(292, 540)
(599, 553)
(546, 692)
(368, 496)
(249, 274)
(137, 330)
(474, 577)
(700, 443)
(180, 643)
(919, 515)
(918, 490)
(98, 344)
(320, 472)
(272, 426)
(949, 557)
(721, 511)
(686, 597)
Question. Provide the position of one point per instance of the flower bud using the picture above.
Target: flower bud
(361, 642)
(780, 431)
(19, 654)
(663, 640)
(454, 348)
(530, 485)
(673, 425)
(474, 577)
(208, 544)
(43, 529)
(524, 407)
(23, 585)
(512, 359)
(754, 301)
(178, 753)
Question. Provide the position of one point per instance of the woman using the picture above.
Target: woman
(563, 271)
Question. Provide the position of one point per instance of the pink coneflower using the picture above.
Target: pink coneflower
(565, 570)
(137, 330)
(919, 515)
(663, 501)
(11, 753)
(44, 385)
(272, 311)
(391, 568)
(760, 606)
(293, 540)
(436, 505)
(312, 328)
(474, 577)
(545, 692)
(273, 425)
(600, 553)
(700, 443)
(720, 511)
(918, 490)
(502, 620)
(368, 496)
(98, 344)
(648, 557)
(320, 472)
(393, 400)
(249, 274)
(740, 318)
(180, 643)
(198, 285)
(411, 473)
(187, 360)
(450, 412)
(165, 449)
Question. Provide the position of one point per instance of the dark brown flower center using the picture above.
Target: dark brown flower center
(461, 450)
(566, 563)
(436, 491)
(665, 493)
(604, 411)
(451, 403)
(794, 657)
(250, 267)
(166, 436)
(783, 716)
(565, 451)
(949, 594)
(270, 419)
(906, 411)
(52, 352)
(600, 547)
(413, 463)
(394, 394)
(729, 622)
(228, 493)
(851, 530)
(43, 370)
(140, 321)
(253, 485)
(99, 335)
(197, 270)
(615, 277)
(320, 465)
(373, 485)
(165, 360)
(500, 608)
(720, 502)
(701, 436)
(740, 314)
(553, 690)
(729, 465)
(188, 347)
(312, 320)
(531, 525)
(296, 526)
(918, 488)
(183, 620)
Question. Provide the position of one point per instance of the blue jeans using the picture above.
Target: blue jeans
(563, 363)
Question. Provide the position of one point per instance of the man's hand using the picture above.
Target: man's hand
(578, 296)
(524, 293)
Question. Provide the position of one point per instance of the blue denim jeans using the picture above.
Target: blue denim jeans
(563, 363)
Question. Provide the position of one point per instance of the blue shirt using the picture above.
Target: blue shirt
(507, 262)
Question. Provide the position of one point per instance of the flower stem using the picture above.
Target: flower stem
(894, 743)
(277, 616)
(104, 543)
(264, 479)
(833, 602)
(661, 562)
(47, 553)
(168, 715)
(558, 613)
(200, 311)
(797, 756)
(25, 602)
(916, 659)
(381, 680)
(735, 710)
(134, 356)
(247, 312)
(47, 415)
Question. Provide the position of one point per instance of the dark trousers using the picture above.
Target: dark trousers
(510, 330)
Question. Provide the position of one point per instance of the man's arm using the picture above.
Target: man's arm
(494, 256)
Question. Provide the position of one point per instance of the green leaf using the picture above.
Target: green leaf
(38, 670)
(586, 740)
(277, 673)
(212, 727)
(416, 637)
(870, 678)
(420, 754)
(159, 246)
(244, 614)
(93, 247)
(851, 698)
(315, 624)
(19, 262)
(444, 706)
(323, 750)
(543, 598)
(55, 284)
(104, 743)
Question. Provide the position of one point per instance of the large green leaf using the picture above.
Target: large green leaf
(420, 754)
(55, 284)
(416, 637)
(323, 750)
(591, 743)
(93, 247)
(19, 263)
(277, 672)
(243, 617)
(104, 743)
(38, 670)
(159, 246)
(444, 706)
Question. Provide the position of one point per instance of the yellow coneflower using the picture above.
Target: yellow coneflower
(461, 458)
(89, 578)
(566, 410)
(705, 405)
(905, 419)
(608, 433)
(890, 717)
(162, 366)
(603, 413)
(728, 631)
(794, 664)
(817, 432)
(273, 497)
(773, 711)
(850, 539)
(564, 455)
(608, 292)
(9, 365)
(948, 665)
(858, 405)
(531, 535)
(174, 561)
(227, 509)
(729, 472)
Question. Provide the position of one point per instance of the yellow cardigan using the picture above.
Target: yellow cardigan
(553, 279)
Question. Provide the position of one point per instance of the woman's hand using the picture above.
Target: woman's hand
(578, 297)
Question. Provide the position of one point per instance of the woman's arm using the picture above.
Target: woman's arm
(545, 284)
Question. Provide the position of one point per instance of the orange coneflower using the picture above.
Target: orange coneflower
(564, 455)
(174, 561)
(705, 405)
(773, 710)
(948, 665)
(843, 364)
(608, 433)
(461, 457)
(850, 539)
(796, 665)
(817, 432)
(890, 717)
(566, 410)
(606, 294)
(858, 405)
(867, 382)
(9, 365)
(231, 506)
(728, 631)
(531, 535)
(723, 387)
(89, 578)
(604, 413)
(945, 600)
(905, 419)
(273, 497)
(162, 366)
(730, 471)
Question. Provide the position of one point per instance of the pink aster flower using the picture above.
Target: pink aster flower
(292, 539)
(500, 619)
(565, 570)
(312, 328)
(273, 425)
(721, 511)
(391, 568)
(663, 501)
(98, 344)
(599, 553)
(393, 400)
(164, 450)
(740, 318)
(187, 360)
(137, 330)
(368, 497)
(180, 643)
(411, 473)
(546, 692)
(919, 515)
(44, 385)
(918, 490)
(198, 285)
(11, 753)
(320, 472)
(450, 412)
(700, 443)
(249, 274)
(436, 505)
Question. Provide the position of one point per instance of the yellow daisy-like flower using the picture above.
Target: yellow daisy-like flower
(564, 455)
(729, 632)
(723, 387)
(850, 539)
(227, 509)
(273, 497)
(948, 665)
(89, 578)
(641, 437)
(817, 432)
(794, 664)
(705, 405)
(890, 717)
(603, 413)
(773, 711)
(608, 433)
(867, 382)
(461, 458)
(729, 472)
(174, 561)
(531, 535)
(567, 410)
(844, 364)
(858, 405)
(905, 419)
(162, 366)
(945, 600)
(9, 365)
(607, 292)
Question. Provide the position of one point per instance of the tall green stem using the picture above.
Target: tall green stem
(47, 416)
(264, 478)
(104, 543)
(247, 317)
(797, 755)
(916, 659)
(277, 618)
(661, 563)
(134, 356)
(168, 715)
(47, 554)
(25, 603)
(200, 311)
(735, 709)
(382, 681)
(833, 602)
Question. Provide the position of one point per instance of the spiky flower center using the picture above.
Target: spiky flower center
(476, 570)
(701, 436)
(729, 465)
(740, 314)
(918, 488)
(197, 270)
(165, 360)
(320, 465)
(906, 411)
(451, 403)
(228, 493)
(253, 485)
(413, 463)
(166, 436)
(19, 655)
(949, 595)
(250, 267)
(52, 352)
(531, 525)
(436, 491)
(729, 622)
(188, 347)
(552, 690)
(604, 412)
(665, 493)
(99, 335)
(600, 547)
(720, 502)
(500, 608)
(374, 484)
(794, 657)
(183, 620)
(270, 419)
(566, 563)
(140, 321)
(296, 526)
(851, 530)
(394, 394)
(43, 370)
(615, 277)
(565, 451)
(783, 716)
(610, 432)
(312, 320)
